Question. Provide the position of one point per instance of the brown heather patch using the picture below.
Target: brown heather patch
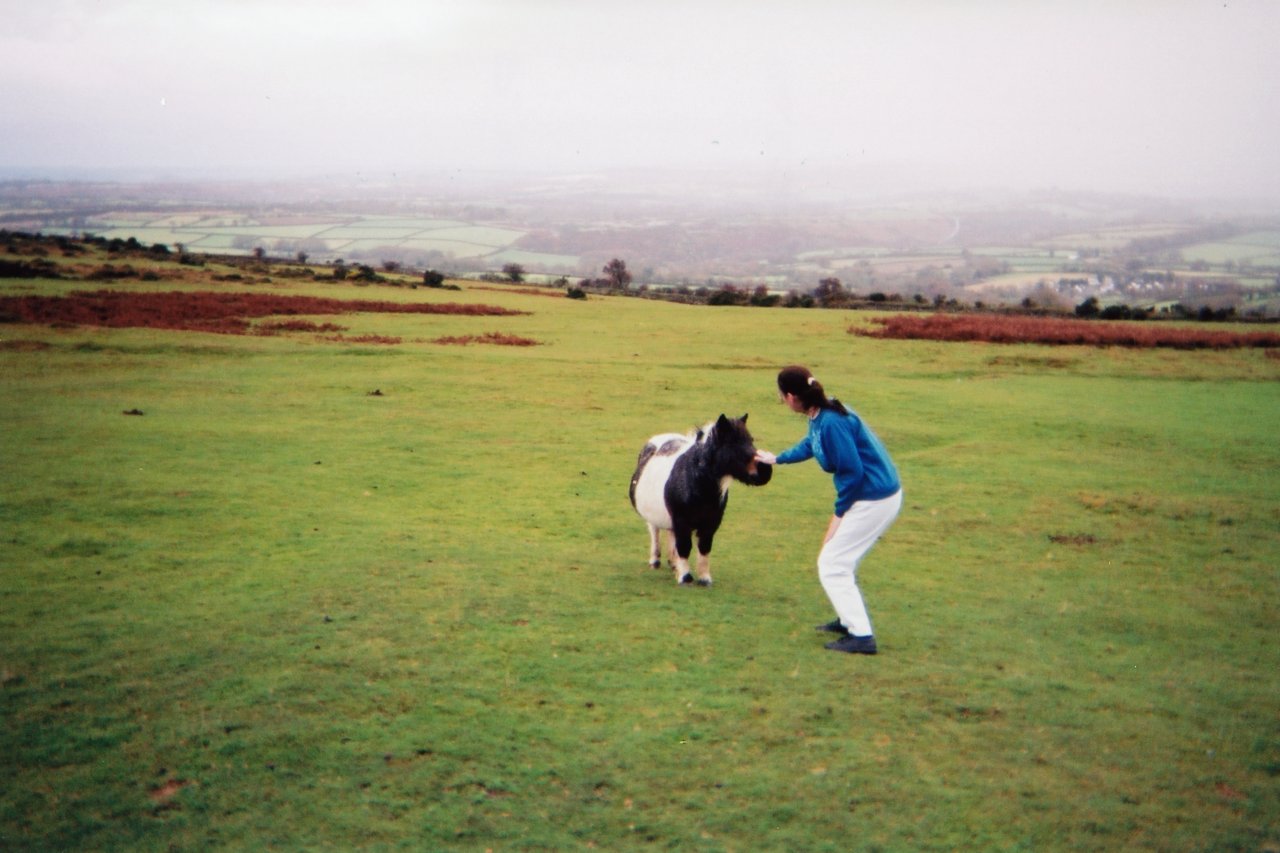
(1073, 538)
(168, 790)
(999, 329)
(204, 311)
(274, 326)
(496, 338)
(362, 339)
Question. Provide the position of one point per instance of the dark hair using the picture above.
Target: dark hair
(801, 383)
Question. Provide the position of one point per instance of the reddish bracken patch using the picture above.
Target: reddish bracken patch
(362, 339)
(274, 326)
(999, 329)
(203, 311)
(497, 338)
(168, 790)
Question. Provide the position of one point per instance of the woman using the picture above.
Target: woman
(868, 497)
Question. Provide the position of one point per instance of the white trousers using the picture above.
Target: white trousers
(860, 527)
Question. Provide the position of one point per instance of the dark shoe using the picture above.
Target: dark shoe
(854, 645)
(834, 627)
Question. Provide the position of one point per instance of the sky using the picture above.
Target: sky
(1165, 97)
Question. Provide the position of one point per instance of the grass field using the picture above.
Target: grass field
(279, 610)
(1105, 239)
(1260, 248)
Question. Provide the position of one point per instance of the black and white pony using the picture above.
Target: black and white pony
(681, 484)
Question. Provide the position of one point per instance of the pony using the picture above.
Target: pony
(681, 485)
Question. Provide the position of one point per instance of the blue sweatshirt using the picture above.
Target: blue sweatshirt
(847, 448)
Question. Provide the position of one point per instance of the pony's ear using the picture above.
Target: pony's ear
(744, 419)
(723, 421)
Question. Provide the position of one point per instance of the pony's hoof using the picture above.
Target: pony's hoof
(655, 564)
(704, 581)
(686, 579)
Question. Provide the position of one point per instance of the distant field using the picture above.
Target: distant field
(368, 232)
(845, 253)
(1258, 248)
(350, 235)
(1112, 238)
(537, 260)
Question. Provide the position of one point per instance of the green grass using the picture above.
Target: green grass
(423, 619)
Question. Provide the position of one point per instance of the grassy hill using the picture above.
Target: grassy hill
(302, 591)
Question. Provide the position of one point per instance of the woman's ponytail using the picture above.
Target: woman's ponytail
(804, 386)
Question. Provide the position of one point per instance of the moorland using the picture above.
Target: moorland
(370, 578)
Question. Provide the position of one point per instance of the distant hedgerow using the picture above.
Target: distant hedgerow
(1046, 330)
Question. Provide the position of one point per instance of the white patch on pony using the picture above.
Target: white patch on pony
(650, 502)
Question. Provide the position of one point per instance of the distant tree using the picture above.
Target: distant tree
(515, 272)
(1088, 308)
(615, 272)
(727, 295)
(390, 266)
(830, 293)
(302, 257)
(762, 298)
(431, 278)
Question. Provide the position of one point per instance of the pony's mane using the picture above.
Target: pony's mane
(737, 430)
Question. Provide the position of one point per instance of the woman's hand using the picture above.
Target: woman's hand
(766, 457)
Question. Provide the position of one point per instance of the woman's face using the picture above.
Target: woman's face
(792, 401)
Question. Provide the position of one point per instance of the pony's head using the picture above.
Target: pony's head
(736, 451)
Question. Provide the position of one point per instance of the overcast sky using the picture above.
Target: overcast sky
(1172, 97)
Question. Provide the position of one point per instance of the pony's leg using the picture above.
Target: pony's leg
(704, 558)
(655, 552)
(684, 547)
(704, 570)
